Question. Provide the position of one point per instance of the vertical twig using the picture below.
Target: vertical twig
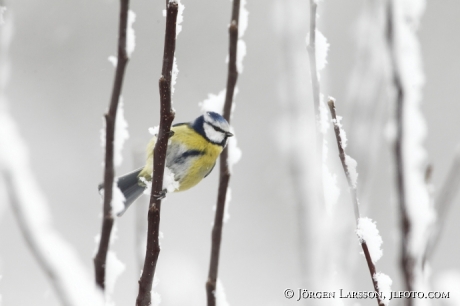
(311, 48)
(109, 172)
(140, 223)
(166, 118)
(354, 196)
(36, 249)
(446, 196)
(407, 262)
(224, 170)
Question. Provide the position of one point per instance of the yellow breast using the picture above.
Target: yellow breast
(189, 156)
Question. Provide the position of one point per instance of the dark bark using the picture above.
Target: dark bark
(109, 171)
(224, 179)
(166, 118)
(354, 195)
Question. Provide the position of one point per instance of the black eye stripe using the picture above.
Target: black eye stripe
(216, 128)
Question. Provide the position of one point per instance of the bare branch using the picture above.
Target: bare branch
(166, 118)
(354, 196)
(407, 261)
(311, 48)
(109, 171)
(36, 249)
(443, 202)
(141, 206)
(224, 170)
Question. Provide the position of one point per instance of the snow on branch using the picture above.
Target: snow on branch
(366, 229)
(67, 274)
(70, 278)
(416, 209)
(115, 135)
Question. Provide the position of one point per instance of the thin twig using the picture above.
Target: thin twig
(166, 118)
(224, 170)
(407, 261)
(354, 196)
(141, 223)
(109, 171)
(33, 242)
(443, 202)
(311, 48)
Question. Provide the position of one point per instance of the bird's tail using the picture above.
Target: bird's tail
(130, 187)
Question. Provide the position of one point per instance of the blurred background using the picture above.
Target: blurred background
(60, 87)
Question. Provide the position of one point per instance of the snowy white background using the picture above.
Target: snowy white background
(60, 86)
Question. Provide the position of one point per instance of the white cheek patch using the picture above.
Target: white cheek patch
(212, 134)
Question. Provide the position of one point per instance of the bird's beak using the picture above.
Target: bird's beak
(229, 134)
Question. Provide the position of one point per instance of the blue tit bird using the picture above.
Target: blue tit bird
(192, 151)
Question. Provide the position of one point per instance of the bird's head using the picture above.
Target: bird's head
(213, 127)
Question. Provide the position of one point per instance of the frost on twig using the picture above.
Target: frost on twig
(56, 257)
(115, 135)
(416, 210)
(366, 229)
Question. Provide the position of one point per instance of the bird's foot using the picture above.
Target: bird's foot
(161, 195)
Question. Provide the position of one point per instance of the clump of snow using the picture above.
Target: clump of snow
(154, 130)
(221, 297)
(240, 54)
(322, 48)
(384, 285)
(130, 35)
(155, 296)
(234, 153)
(241, 45)
(367, 232)
(114, 268)
(121, 133)
(351, 165)
(228, 199)
(180, 17)
(118, 199)
(242, 19)
(114, 60)
(169, 182)
(214, 103)
(174, 74)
